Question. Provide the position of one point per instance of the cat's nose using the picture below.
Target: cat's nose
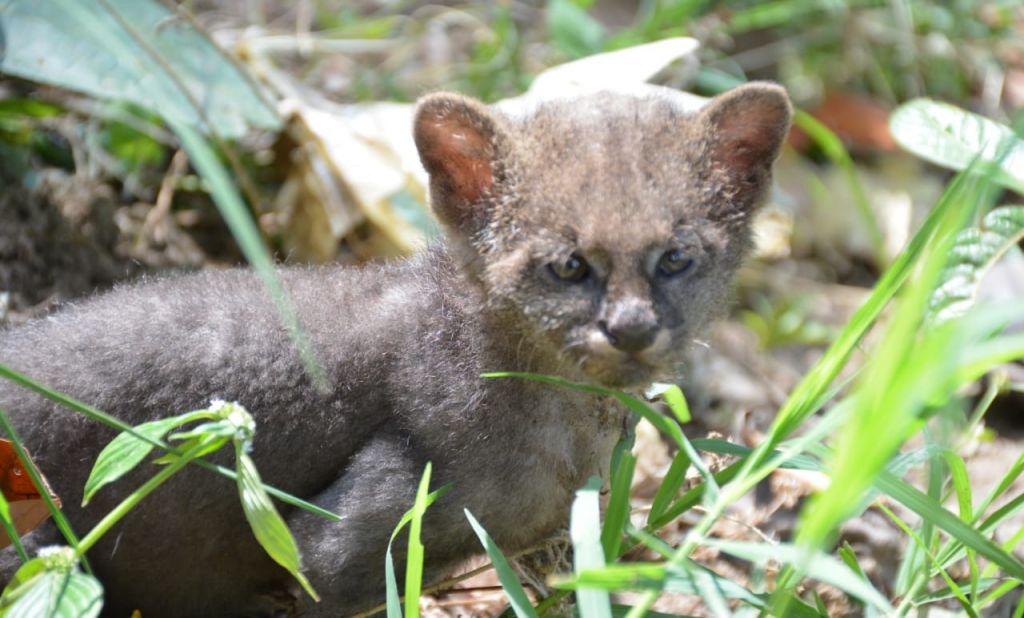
(630, 335)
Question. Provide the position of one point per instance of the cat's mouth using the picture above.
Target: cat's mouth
(624, 370)
(603, 364)
(632, 374)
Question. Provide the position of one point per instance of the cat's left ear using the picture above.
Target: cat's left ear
(746, 127)
(462, 146)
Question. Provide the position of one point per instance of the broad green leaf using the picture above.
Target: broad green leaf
(52, 586)
(132, 50)
(976, 249)
(126, 451)
(952, 137)
(509, 582)
(266, 523)
(585, 531)
(815, 564)
(414, 557)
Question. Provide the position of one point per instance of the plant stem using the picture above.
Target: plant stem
(129, 503)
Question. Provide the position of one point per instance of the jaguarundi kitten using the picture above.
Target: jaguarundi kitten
(591, 238)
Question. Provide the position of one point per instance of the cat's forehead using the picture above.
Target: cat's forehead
(609, 166)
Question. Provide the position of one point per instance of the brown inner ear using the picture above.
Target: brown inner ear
(457, 153)
(747, 127)
(748, 143)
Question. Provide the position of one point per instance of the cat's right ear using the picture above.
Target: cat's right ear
(459, 144)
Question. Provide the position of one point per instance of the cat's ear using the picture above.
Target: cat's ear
(746, 127)
(460, 145)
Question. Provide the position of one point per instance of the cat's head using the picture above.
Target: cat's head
(610, 225)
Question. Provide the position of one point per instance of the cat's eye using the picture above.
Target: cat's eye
(674, 262)
(574, 269)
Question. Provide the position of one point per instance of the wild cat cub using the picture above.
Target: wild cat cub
(590, 238)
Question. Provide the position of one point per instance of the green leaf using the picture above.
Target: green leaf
(816, 564)
(585, 531)
(266, 523)
(414, 557)
(132, 147)
(509, 582)
(976, 249)
(573, 30)
(132, 50)
(674, 398)
(951, 137)
(102, 417)
(126, 451)
(52, 586)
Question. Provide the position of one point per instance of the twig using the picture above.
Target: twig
(165, 196)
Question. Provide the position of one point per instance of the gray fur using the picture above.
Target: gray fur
(618, 180)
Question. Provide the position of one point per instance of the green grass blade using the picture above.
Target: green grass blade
(509, 582)
(836, 152)
(924, 547)
(414, 556)
(818, 565)
(660, 422)
(670, 485)
(585, 531)
(674, 398)
(934, 512)
(617, 513)
(58, 517)
(234, 212)
(675, 579)
(394, 602)
(807, 397)
(906, 373)
(12, 532)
